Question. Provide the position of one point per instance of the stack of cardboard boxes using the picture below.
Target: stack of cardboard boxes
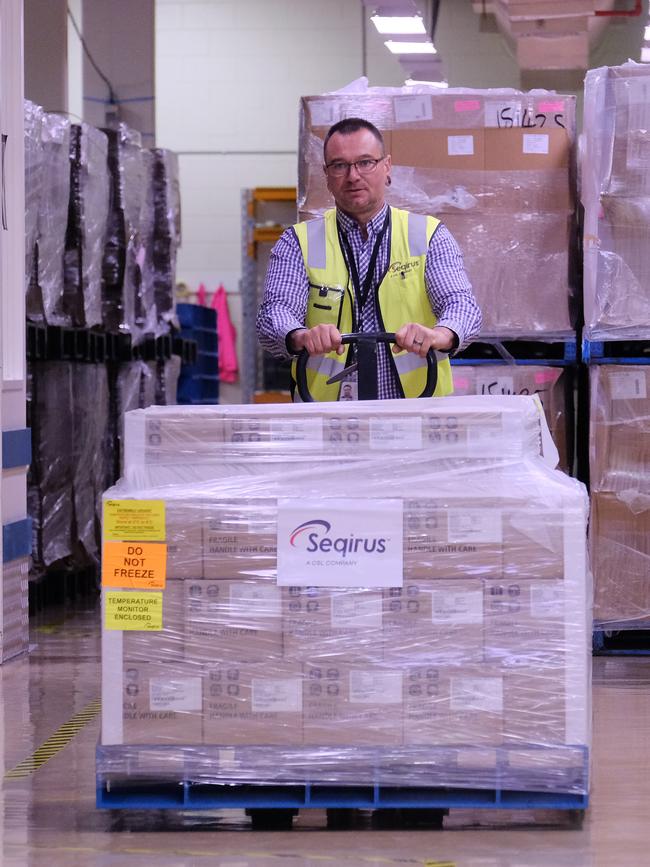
(393, 613)
(616, 197)
(495, 167)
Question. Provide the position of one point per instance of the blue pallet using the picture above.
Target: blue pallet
(622, 639)
(185, 795)
(616, 351)
(559, 353)
(196, 316)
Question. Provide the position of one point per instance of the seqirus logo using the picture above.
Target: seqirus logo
(316, 535)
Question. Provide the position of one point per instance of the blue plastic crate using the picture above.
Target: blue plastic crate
(207, 340)
(207, 363)
(196, 316)
(195, 388)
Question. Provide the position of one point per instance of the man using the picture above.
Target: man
(366, 267)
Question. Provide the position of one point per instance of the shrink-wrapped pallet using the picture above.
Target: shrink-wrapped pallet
(494, 166)
(398, 618)
(615, 191)
(620, 486)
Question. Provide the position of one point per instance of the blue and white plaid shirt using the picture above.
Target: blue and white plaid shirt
(286, 291)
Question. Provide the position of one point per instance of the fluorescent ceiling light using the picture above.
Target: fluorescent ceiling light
(645, 55)
(414, 82)
(398, 24)
(410, 47)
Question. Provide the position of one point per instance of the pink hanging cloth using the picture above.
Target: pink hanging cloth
(228, 367)
(201, 295)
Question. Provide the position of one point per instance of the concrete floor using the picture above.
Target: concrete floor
(48, 815)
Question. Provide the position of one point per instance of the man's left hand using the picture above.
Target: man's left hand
(419, 340)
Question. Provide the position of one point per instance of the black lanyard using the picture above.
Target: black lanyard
(362, 292)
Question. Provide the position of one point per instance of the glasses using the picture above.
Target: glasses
(339, 168)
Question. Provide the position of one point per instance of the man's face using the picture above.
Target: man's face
(360, 196)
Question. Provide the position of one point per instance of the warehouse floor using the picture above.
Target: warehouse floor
(48, 816)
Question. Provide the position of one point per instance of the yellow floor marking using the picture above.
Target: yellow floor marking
(55, 743)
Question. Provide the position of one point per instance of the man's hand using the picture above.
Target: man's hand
(318, 340)
(419, 340)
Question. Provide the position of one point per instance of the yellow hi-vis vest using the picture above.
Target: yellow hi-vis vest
(401, 298)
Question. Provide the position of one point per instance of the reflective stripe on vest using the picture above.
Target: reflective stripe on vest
(401, 295)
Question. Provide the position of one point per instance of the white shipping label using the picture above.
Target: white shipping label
(628, 385)
(304, 433)
(493, 384)
(413, 108)
(460, 145)
(324, 112)
(457, 607)
(357, 610)
(255, 600)
(178, 694)
(547, 601)
(535, 143)
(277, 694)
(375, 687)
(340, 543)
(395, 433)
(474, 525)
(477, 693)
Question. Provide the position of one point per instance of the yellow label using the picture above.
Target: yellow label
(124, 610)
(134, 564)
(140, 520)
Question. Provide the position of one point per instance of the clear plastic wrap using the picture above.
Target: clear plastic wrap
(87, 225)
(34, 178)
(615, 191)
(620, 525)
(15, 609)
(123, 306)
(553, 386)
(460, 657)
(164, 444)
(168, 375)
(482, 161)
(50, 473)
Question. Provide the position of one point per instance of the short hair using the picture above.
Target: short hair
(353, 124)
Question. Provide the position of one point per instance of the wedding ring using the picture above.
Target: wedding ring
(418, 342)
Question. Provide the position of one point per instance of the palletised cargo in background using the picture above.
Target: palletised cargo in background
(553, 385)
(306, 630)
(620, 488)
(495, 167)
(615, 191)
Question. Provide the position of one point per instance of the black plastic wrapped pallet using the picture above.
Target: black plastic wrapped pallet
(86, 227)
(34, 181)
(90, 474)
(168, 373)
(50, 474)
(132, 386)
(165, 230)
(125, 307)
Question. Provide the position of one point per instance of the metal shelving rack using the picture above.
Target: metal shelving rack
(266, 213)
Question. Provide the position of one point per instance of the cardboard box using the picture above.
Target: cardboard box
(236, 621)
(239, 540)
(347, 704)
(434, 620)
(184, 536)
(168, 645)
(162, 704)
(453, 705)
(553, 386)
(453, 539)
(556, 51)
(619, 427)
(533, 544)
(346, 624)
(620, 552)
(525, 621)
(248, 704)
(535, 703)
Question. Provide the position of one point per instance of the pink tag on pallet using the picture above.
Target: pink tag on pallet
(467, 105)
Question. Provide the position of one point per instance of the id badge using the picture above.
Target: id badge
(349, 390)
